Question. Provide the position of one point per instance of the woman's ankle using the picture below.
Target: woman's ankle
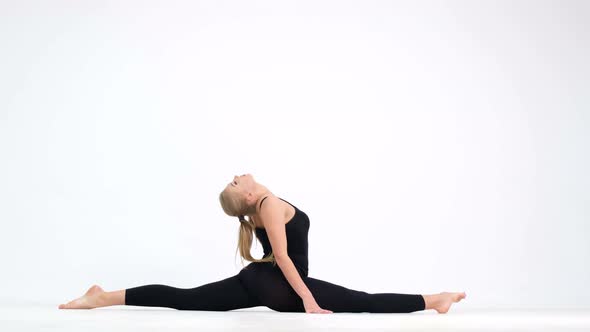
(430, 301)
(111, 298)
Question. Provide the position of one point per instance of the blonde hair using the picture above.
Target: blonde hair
(236, 207)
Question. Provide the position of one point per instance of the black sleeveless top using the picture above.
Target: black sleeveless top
(297, 230)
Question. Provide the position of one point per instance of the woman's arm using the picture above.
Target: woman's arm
(274, 224)
(293, 277)
(273, 219)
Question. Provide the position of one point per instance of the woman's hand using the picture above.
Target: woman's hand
(312, 307)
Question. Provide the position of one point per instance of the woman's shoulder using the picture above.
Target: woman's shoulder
(279, 205)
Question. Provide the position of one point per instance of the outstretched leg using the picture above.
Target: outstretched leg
(273, 290)
(341, 299)
(223, 295)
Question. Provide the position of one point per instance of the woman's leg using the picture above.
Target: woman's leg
(271, 288)
(223, 295)
(274, 291)
(341, 299)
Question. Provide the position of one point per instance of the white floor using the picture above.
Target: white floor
(130, 318)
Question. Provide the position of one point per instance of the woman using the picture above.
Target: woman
(278, 281)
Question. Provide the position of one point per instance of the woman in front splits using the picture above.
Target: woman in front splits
(278, 281)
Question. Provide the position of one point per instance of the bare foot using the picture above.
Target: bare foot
(444, 300)
(89, 300)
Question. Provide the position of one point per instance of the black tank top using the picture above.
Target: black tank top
(297, 230)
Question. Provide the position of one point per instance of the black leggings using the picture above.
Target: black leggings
(261, 284)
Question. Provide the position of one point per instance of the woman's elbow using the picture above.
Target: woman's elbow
(282, 258)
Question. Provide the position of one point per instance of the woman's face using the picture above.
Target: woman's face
(242, 184)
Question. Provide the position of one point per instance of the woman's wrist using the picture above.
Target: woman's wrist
(308, 297)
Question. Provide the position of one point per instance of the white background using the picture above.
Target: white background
(435, 146)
